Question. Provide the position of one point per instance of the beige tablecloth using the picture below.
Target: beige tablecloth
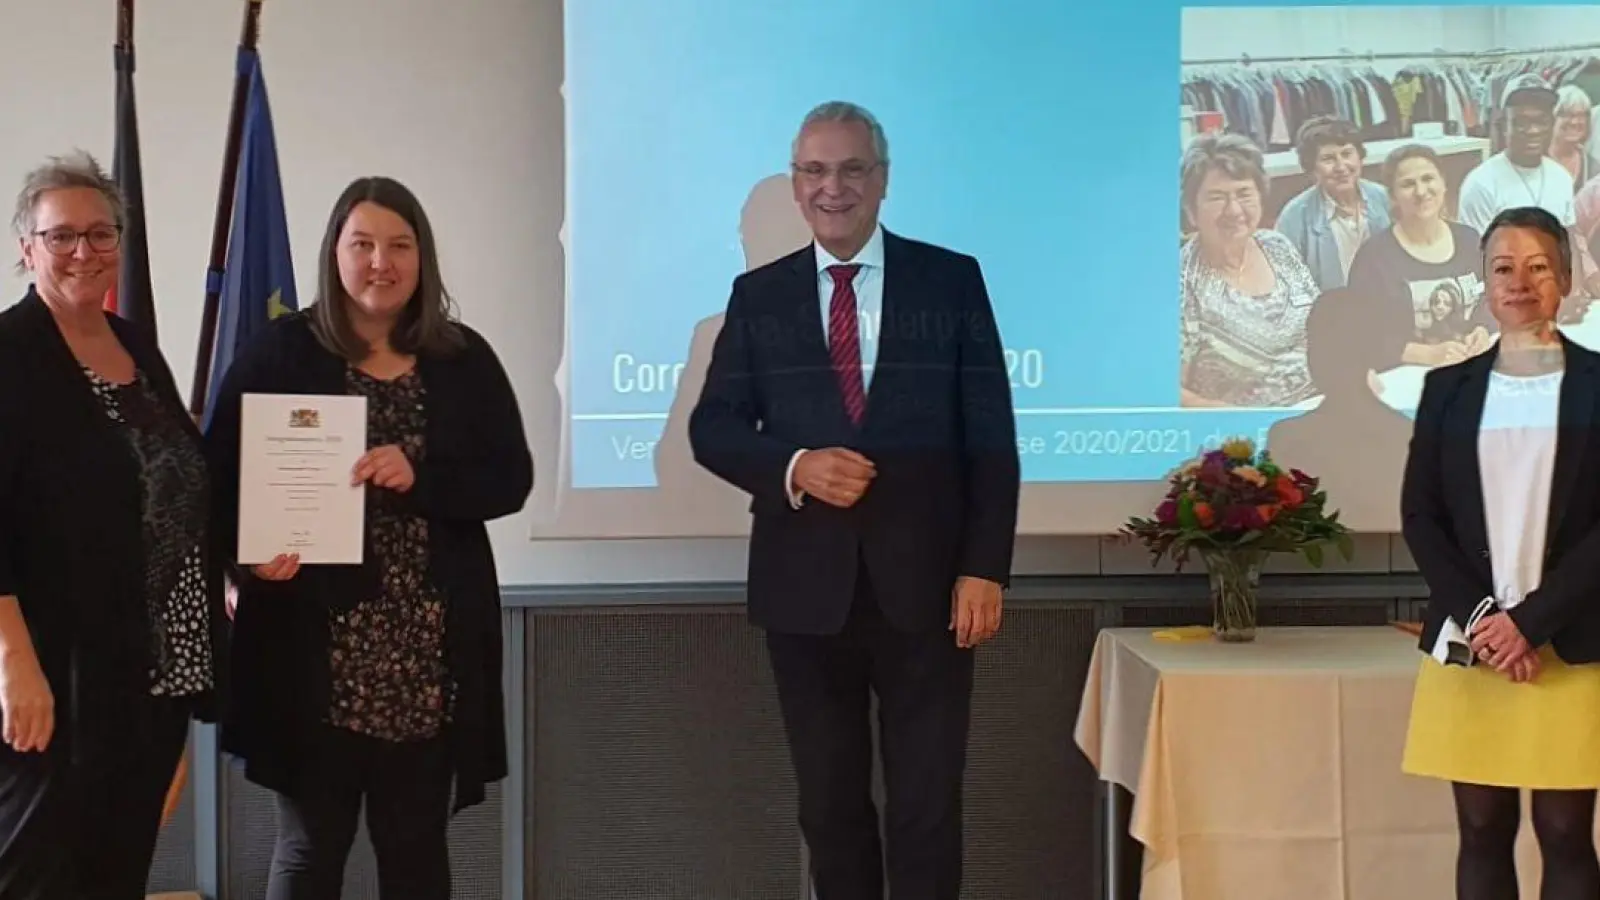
(1271, 770)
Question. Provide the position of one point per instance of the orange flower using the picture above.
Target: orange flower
(1204, 515)
(1289, 494)
(1268, 512)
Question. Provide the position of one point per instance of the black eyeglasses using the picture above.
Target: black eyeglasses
(64, 241)
(852, 170)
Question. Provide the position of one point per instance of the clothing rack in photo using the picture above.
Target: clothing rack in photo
(1438, 53)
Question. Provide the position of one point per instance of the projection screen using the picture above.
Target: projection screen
(1039, 137)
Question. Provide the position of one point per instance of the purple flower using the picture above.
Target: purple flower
(1167, 512)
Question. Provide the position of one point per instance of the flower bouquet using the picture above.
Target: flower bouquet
(1234, 506)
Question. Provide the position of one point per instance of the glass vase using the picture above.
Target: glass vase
(1235, 583)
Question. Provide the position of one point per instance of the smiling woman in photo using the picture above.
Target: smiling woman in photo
(1244, 291)
(1330, 220)
(1403, 270)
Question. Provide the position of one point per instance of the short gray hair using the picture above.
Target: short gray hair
(845, 111)
(76, 169)
(1234, 155)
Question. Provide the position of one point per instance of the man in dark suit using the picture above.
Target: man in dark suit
(858, 392)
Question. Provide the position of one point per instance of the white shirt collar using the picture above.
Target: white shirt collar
(1330, 206)
(871, 255)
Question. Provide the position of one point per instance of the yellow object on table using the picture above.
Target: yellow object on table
(1271, 770)
(1185, 633)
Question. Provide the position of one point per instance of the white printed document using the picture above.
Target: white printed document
(296, 455)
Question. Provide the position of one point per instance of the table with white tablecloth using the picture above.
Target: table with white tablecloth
(1271, 770)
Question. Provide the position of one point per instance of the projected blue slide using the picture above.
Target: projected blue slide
(1039, 137)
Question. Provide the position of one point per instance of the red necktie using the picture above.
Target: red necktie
(844, 341)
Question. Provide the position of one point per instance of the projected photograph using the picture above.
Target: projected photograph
(1335, 169)
(1324, 149)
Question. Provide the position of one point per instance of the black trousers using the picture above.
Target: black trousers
(923, 682)
(83, 826)
(406, 788)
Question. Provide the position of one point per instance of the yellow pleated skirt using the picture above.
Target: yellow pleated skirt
(1477, 726)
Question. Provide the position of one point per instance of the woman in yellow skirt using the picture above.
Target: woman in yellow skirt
(1501, 510)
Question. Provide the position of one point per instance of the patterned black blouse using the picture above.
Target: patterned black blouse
(172, 474)
(388, 654)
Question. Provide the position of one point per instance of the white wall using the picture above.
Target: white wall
(1547, 26)
(459, 100)
(1216, 32)
(1224, 33)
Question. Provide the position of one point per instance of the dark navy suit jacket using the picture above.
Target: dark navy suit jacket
(938, 427)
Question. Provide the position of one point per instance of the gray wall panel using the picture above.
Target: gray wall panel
(655, 765)
(658, 766)
(1029, 792)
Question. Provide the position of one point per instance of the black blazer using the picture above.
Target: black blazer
(1442, 512)
(938, 426)
(478, 468)
(71, 546)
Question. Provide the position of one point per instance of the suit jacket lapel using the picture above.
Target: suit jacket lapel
(1577, 417)
(54, 352)
(1471, 394)
(896, 272)
(810, 338)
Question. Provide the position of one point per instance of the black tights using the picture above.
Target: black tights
(1563, 821)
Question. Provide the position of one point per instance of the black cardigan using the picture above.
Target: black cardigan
(478, 468)
(1442, 508)
(71, 543)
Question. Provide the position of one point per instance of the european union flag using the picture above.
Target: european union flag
(258, 277)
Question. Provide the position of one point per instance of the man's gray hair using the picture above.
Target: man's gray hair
(76, 169)
(845, 111)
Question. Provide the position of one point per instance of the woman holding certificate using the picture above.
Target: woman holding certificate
(1501, 509)
(111, 620)
(374, 680)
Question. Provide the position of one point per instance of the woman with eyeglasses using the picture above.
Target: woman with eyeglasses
(110, 604)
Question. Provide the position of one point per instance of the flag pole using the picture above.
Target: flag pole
(248, 35)
(124, 50)
(125, 25)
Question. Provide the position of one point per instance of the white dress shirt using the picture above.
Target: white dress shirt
(868, 284)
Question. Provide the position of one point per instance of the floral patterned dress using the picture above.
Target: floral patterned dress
(390, 679)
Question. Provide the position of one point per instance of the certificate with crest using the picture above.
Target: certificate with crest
(296, 455)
